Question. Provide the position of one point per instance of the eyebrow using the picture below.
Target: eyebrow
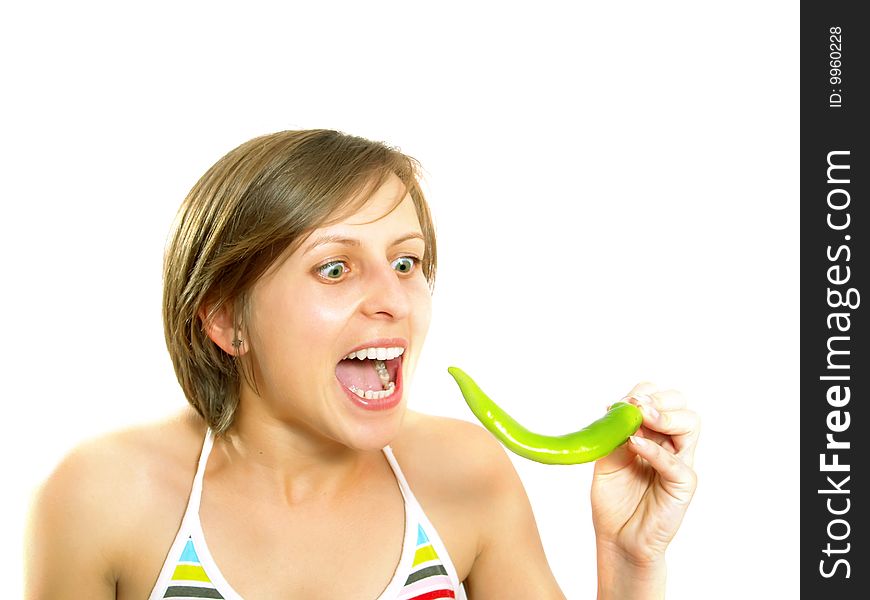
(346, 241)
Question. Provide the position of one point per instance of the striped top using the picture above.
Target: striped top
(424, 572)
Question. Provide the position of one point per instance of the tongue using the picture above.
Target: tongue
(358, 373)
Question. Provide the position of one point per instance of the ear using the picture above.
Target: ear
(221, 330)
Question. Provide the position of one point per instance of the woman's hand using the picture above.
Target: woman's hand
(641, 491)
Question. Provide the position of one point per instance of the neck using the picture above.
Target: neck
(289, 462)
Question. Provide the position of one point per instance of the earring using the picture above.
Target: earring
(237, 343)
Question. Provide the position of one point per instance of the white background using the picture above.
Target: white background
(615, 188)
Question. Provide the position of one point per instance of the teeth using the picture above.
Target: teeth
(377, 353)
(373, 395)
(383, 374)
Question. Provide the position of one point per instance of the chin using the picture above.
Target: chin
(376, 431)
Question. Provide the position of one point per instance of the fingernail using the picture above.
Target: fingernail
(651, 412)
(641, 399)
(637, 441)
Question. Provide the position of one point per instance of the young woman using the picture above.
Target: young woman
(296, 301)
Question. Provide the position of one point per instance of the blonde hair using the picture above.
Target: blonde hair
(255, 203)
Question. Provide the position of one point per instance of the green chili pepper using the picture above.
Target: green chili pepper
(591, 443)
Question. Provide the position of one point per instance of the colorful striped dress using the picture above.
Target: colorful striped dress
(424, 572)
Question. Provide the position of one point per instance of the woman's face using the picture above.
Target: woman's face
(355, 285)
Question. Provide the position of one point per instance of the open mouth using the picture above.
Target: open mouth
(371, 374)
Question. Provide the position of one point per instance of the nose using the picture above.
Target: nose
(385, 296)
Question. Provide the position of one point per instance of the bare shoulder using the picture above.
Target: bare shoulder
(468, 486)
(451, 452)
(94, 502)
(126, 463)
(459, 473)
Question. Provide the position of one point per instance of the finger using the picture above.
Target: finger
(644, 388)
(659, 438)
(682, 426)
(662, 400)
(650, 416)
(681, 422)
(622, 457)
(677, 478)
(659, 407)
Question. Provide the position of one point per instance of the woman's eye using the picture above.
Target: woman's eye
(405, 264)
(333, 270)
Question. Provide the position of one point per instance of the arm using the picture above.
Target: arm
(510, 561)
(640, 493)
(67, 554)
(620, 577)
